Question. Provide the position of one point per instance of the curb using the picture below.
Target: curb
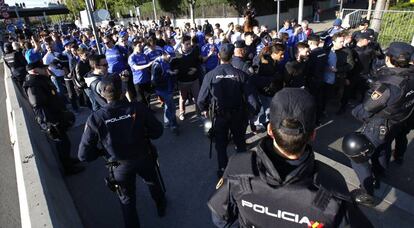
(44, 199)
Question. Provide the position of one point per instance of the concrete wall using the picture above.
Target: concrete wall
(43, 196)
(269, 20)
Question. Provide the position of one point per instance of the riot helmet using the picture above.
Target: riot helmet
(357, 147)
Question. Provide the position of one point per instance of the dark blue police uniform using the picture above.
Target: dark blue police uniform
(228, 89)
(386, 114)
(124, 130)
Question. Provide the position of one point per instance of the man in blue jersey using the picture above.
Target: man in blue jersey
(115, 55)
(162, 79)
(209, 53)
(152, 51)
(140, 66)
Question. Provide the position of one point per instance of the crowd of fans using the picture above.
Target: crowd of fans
(336, 62)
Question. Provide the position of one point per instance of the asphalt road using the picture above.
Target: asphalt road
(9, 200)
(190, 177)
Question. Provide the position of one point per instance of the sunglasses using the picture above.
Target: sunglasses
(104, 65)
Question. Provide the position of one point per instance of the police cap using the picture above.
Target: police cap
(401, 49)
(240, 44)
(362, 35)
(33, 65)
(357, 147)
(364, 22)
(293, 103)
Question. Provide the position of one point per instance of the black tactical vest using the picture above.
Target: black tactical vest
(305, 203)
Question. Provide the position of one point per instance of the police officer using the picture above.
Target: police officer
(398, 57)
(386, 114)
(51, 113)
(364, 57)
(279, 183)
(16, 62)
(124, 130)
(238, 60)
(318, 61)
(228, 90)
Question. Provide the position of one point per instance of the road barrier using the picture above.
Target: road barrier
(43, 196)
(396, 25)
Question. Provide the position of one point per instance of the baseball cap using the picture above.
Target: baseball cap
(293, 103)
(240, 44)
(337, 22)
(32, 56)
(169, 50)
(226, 49)
(397, 49)
(122, 33)
(362, 35)
(66, 42)
(36, 64)
(364, 21)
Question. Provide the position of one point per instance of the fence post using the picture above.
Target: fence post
(376, 20)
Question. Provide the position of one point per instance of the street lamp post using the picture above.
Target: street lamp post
(92, 23)
(300, 12)
(155, 11)
(277, 15)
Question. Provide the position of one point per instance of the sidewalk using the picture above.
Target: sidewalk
(328, 16)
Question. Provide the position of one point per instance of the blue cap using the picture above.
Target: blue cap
(169, 50)
(337, 22)
(122, 33)
(32, 56)
(401, 49)
(67, 42)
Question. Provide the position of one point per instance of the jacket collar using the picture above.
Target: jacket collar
(304, 171)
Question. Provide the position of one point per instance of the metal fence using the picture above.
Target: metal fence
(395, 25)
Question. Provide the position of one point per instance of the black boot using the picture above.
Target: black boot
(362, 197)
(161, 207)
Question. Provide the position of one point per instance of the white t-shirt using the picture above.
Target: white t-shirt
(48, 59)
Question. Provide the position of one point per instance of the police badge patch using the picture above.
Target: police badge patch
(376, 95)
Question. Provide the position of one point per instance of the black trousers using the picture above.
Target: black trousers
(73, 98)
(125, 174)
(144, 92)
(63, 148)
(236, 122)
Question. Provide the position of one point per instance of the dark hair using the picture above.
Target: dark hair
(248, 34)
(293, 144)
(8, 48)
(186, 38)
(225, 57)
(314, 38)
(276, 48)
(302, 45)
(111, 88)
(337, 35)
(401, 61)
(95, 59)
(152, 41)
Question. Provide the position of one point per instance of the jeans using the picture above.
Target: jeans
(169, 109)
(95, 105)
(263, 116)
(59, 83)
